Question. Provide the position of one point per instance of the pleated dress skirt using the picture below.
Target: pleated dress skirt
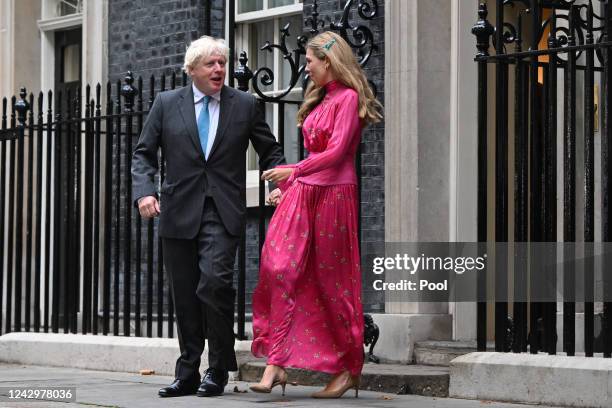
(307, 310)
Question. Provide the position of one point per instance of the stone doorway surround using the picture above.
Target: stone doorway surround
(430, 146)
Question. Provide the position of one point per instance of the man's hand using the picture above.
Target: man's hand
(148, 207)
(274, 197)
(277, 175)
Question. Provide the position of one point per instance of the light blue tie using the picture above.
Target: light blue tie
(204, 123)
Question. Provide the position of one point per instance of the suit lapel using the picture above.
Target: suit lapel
(187, 110)
(225, 113)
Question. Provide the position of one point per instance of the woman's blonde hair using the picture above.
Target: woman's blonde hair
(331, 47)
(201, 48)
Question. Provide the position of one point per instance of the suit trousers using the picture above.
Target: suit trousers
(201, 272)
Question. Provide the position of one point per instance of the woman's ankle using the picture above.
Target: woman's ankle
(274, 367)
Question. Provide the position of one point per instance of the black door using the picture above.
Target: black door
(68, 47)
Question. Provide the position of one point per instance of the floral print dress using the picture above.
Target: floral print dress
(307, 309)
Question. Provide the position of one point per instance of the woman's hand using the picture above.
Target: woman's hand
(275, 197)
(277, 175)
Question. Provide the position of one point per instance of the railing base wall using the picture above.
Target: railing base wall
(105, 353)
(533, 379)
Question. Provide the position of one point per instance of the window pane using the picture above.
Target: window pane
(244, 6)
(270, 115)
(252, 159)
(295, 29)
(68, 7)
(71, 63)
(278, 3)
(262, 32)
(291, 134)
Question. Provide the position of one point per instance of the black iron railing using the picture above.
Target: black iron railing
(83, 245)
(562, 38)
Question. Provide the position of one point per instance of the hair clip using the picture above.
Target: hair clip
(329, 44)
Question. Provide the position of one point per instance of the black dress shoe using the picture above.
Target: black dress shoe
(213, 383)
(179, 388)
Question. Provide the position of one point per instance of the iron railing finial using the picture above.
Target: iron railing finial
(128, 91)
(243, 73)
(483, 30)
(22, 106)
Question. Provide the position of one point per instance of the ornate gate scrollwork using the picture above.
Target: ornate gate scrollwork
(359, 37)
(581, 24)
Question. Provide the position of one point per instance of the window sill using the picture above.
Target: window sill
(59, 23)
(252, 195)
(259, 15)
(295, 95)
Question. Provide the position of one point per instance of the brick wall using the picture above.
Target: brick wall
(150, 37)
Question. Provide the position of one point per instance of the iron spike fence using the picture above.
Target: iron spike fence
(75, 244)
(78, 256)
(565, 38)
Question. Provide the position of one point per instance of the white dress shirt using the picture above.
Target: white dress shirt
(214, 105)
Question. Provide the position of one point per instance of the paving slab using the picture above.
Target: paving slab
(113, 389)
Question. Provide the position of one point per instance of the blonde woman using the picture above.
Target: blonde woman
(307, 309)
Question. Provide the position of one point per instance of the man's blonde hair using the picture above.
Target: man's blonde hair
(204, 47)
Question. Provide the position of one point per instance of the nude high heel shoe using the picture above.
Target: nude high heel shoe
(280, 378)
(350, 382)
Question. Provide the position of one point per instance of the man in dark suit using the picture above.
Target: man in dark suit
(204, 131)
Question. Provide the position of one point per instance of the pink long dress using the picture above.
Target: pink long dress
(307, 310)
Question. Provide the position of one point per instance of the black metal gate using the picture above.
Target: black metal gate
(536, 42)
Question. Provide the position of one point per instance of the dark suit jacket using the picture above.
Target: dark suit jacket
(171, 125)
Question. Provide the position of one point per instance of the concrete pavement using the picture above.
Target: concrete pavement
(113, 389)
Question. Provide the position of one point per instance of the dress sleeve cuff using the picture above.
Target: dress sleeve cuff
(284, 185)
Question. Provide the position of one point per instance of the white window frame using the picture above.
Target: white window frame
(7, 48)
(268, 13)
(94, 56)
(242, 31)
(48, 24)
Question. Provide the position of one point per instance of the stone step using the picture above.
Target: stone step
(440, 353)
(392, 378)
